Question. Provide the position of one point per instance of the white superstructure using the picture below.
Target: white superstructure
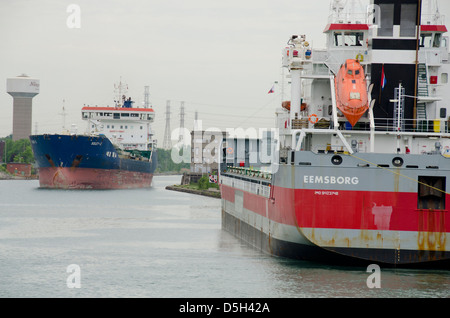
(312, 120)
(125, 125)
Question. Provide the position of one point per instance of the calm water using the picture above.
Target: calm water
(160, 243)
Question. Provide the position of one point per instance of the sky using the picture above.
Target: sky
(219, 57)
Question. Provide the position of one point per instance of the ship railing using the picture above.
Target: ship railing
(438, 125)
(254, 186)
(432, 19)
(250, 172)
(348, 18)
(327, 148)
(441, 125)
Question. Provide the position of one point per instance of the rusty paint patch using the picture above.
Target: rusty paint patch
(431, 234)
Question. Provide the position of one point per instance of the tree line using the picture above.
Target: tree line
(16, 150)
(166, 164)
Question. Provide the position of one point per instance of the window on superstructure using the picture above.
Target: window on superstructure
(348, 38)
(386, 26)
(437, 40)
(356, 38)
(444, 78)
(408, 20)
(338, 39)
(426, 40)
(444, 41)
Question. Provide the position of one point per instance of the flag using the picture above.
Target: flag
(383, 78)
(212, 178)
(272, 90)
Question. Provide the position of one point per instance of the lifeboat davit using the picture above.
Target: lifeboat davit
(351, 91)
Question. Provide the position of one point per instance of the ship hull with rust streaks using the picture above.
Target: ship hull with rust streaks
(342, 214)
(88, 162)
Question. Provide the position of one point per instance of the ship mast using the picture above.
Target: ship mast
(63, 114)
(336, 9)
(146, 97)
(431, 14)
(121, 90)
(349, 11)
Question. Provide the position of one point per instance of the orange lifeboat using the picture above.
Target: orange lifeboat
(351, 91)
(286, 105)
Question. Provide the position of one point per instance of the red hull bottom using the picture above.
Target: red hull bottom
(83, 178)
(334, 256)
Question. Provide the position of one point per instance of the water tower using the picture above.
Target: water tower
(22, 88)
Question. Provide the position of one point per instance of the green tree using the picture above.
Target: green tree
(166, 164)
(18, 151)
(203, 183)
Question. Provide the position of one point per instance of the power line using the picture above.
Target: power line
(167, 144)
(181, 121)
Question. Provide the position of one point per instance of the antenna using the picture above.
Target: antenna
(430, 13)
(167, 144)
(63, 114)
(121, 91)
(146, 97)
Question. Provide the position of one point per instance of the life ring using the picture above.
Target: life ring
(229, 150)
(313, 118)
(359, 57)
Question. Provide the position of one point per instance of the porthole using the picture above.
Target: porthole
(336, 160)
(397, 162)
